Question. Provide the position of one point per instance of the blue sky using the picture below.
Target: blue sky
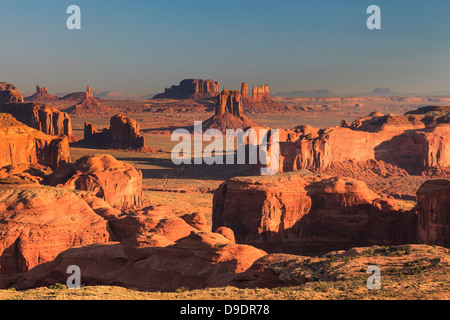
(144, 46)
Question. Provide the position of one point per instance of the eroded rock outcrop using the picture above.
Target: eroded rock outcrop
(37, 223)
(411, 142)
(123, 133)
(433, 210)
(42, 95)
(9, 93)
(259, 100)
(307, 214)
(41, 117)
(192, 262)
(191, 89)
(21, 144)
(116, 182)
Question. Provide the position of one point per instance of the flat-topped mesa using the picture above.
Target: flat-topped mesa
(191, 89)
(9, 93)
(20, 144)
(229, 101)
(41, 95)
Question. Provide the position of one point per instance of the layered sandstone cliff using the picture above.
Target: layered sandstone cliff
(41, 117)
(191, 89)
(433, 209)
(21, 144)
(307, 214)
(411, 142)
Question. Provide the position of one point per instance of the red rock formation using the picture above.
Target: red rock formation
(197, 221)
(301, 213)
(413, 143)
(433, 209)
(244, 90)
(79, 95)
(123, 133)
(229, 113)
(37, 223)
(89, 131)
(24, 145)
(191, 89)
(9, 93)
(41, 95)
(89, 93)
(259, 100)
(41, 117)
(190, 263)
(116, 182)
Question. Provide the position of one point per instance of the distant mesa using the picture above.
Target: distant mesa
(123, 133)
(229, 113)
(41, 95)
(382, 92)
(191, 89)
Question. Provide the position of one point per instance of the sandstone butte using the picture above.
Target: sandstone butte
(41, 95)
(259, 100)
(304, 213)
(42, 117)
(86, 104)
(413, 142)
(191, 89)
(123, 133)
(21, 144)
(229, 113)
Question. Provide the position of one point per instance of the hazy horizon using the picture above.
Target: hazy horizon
(143, 47)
